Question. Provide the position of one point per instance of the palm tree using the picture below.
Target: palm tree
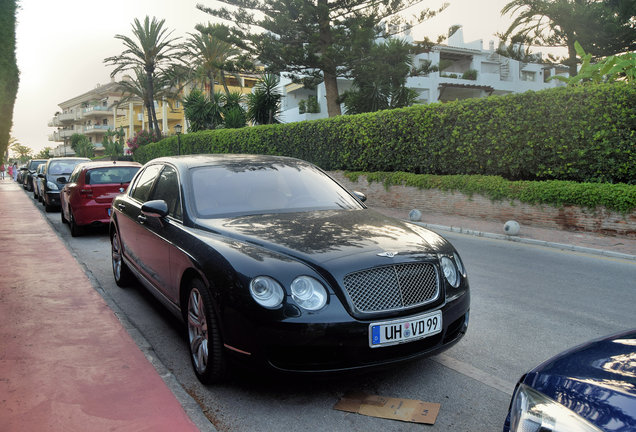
(167, 85)
(209, 54)
(263, 104)
(152, 51)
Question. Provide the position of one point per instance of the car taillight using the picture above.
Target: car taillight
(86, 193)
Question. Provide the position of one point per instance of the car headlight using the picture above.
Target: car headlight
(51, 186)
(532, 411)
(267, 292)
(308, 293)
(459, 263)
(450, 271)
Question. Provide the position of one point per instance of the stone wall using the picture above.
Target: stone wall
(570, 218)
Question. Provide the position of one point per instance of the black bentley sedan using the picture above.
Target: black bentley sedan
(270, 261)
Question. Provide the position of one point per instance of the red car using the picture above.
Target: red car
(89, 192)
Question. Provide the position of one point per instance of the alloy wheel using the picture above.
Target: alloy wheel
(198, 331)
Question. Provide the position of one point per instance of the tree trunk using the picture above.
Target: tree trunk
(572, 69)
(328, 66)
(150, 94)
(149, 112)
(211, 81)
(227, 90)
(331, 89)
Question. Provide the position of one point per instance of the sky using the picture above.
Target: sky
(61, 45)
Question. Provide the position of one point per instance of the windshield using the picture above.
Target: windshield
(265, 188)
(63, 167)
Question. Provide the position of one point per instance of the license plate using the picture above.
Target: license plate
(404, 330)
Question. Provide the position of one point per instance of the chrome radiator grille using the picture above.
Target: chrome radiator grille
(392, 287)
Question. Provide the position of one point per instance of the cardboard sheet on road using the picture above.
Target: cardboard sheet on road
(408, 410)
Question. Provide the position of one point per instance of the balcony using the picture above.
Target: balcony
(97, 129)
(68, 117)
(96, 110)
(59, 135)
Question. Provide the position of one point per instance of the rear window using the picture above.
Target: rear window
(110, 175)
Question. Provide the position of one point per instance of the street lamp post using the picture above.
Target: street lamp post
(177, 130)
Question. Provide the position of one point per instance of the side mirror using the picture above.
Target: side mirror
(41, 176)
(362, 197)
(155, 208)
(61, 180)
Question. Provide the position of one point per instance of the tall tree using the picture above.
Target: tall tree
(9, 74)
(602, 27)
(209, 55)
(23, 151)
(153, 50)
(82, 146)
(311, 38)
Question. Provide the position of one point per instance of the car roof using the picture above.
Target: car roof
(108, 164)
(193, 161)
(70, 158)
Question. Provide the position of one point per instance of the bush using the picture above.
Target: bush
(581, 134)
(618, 197)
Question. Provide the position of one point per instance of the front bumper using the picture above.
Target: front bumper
(52, 198)
(339, 345)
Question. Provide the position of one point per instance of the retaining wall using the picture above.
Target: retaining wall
(571, 218)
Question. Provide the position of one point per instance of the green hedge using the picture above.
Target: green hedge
(9, 74)
(618, 197)
(583, 134)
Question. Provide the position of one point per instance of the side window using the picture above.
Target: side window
(167, 189)
(143, 185)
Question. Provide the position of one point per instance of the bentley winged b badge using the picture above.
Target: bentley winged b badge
(387, 254)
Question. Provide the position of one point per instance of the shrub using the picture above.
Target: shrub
(582, 134)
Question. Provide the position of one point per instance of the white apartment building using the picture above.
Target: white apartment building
(496, 75)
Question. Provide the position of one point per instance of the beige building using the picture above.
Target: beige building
(99, 110)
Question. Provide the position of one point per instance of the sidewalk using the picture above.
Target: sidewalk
(66, 362)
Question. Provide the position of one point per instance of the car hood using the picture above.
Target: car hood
(596, 380)
(323, 236)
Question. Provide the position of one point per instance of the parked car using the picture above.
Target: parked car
(87, 196)
(589, 388)
(53, 177)
(19, 177)
(36, 182)
(27, 176)
(270, 261)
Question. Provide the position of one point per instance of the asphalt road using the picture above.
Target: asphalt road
(528, 303)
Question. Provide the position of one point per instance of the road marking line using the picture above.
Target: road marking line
(474, 373)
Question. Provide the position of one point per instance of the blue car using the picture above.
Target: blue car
(588, 388)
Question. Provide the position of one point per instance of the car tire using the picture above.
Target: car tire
(204, 336)
(76, 230)
(122, 274)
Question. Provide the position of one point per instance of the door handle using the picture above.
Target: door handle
(121, 207)
(142, 219)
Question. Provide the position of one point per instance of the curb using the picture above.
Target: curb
(545, 243)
